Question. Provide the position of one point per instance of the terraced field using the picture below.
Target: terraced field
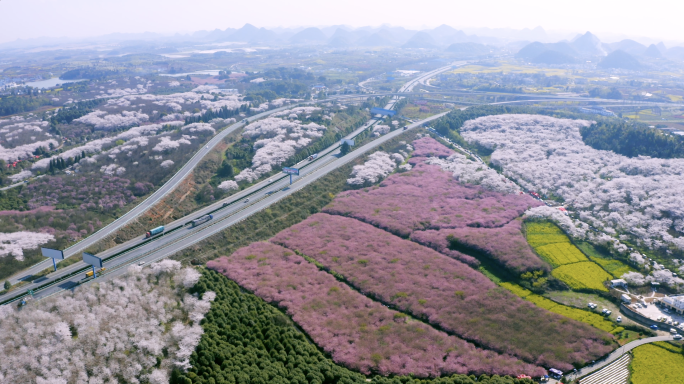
(571, 266)
(614, 267)
(615, 373)
(558, 254)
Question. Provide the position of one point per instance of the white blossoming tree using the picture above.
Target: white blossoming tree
(132, 329)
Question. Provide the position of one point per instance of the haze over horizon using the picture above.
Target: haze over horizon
(82, 18)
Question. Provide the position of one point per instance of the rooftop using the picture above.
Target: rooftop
(675, 301)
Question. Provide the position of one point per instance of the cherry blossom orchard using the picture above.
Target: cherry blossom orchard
(357, 331)
(277, 140)
(116, 330)
(634, 198)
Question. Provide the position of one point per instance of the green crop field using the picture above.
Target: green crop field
(614, 267)
(584, 316)
(657, 363)
(544, 233)
(542, 239)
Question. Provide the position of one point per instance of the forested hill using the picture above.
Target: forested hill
(632, 141)
(609, 134)
(10, 105)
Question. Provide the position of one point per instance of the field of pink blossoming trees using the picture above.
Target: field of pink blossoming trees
(442, 291)
(404, 258)
(428, 204)
(356, 331)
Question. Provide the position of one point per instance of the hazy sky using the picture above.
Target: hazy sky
(78, 18)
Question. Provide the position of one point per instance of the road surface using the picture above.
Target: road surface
(179, 236)
(141, 208)
(170, 186)
(614, 356)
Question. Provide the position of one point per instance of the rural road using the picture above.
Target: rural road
(612, 357)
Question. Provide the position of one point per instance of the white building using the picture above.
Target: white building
(674, 303)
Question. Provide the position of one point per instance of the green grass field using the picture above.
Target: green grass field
(615, 267)
(657, 363)
(584, 316)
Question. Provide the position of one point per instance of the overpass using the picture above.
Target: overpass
(448, 96)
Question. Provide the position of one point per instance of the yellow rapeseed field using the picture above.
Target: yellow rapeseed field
(584, 275)
(656, 363)
(558, 254)
(614, 267)
(571, 266)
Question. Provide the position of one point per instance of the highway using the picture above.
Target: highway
(408, 87)
(170, 185)
(176, 179)
(179, 235)
(532, 97)
(141, 208)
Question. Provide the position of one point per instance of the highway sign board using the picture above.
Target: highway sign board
(291, 171)
(52, 253)
(91, 259)
(382, 111)
(348, 141)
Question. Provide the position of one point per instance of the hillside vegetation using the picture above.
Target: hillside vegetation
(633, 140)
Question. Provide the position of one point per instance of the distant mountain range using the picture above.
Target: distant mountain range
(338, 36)
(624, 54)
(532, 45)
